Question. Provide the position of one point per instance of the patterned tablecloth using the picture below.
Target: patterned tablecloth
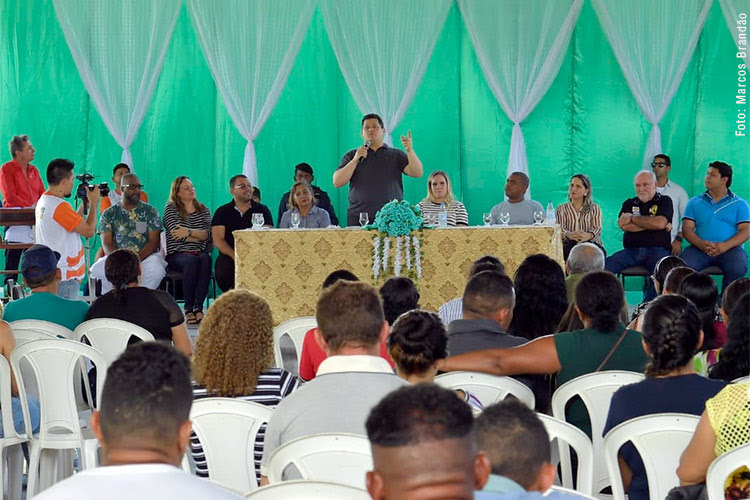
(288, 266)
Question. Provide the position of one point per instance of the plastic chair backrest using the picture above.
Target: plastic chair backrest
(295, 329)
(722, 467)
(660, 440)
(56, 367)
(308, 490)
(110, 336)
(573, 494)
(595, 390)
(741, 380)
(9, 430)
(489, 389)
(339, 458)
(226, 429)
(575, 437)
(22, 326)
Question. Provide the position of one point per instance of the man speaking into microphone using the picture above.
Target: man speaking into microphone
(374, 170)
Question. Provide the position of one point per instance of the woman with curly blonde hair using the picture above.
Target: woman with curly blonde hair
(234, 358)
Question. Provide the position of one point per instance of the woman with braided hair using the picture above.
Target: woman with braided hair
(671, 336)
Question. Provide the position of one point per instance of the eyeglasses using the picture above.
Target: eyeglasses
(132, 187)
(242, 186)
(659, 165)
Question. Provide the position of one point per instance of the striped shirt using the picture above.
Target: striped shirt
(456, 212)
(273, 385)
(197, 221)
(571, 220)
(452, 310)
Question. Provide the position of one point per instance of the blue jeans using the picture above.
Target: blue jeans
(641, 256)
(18, 415)
(733, 263)
(196, 276)
(69, 289)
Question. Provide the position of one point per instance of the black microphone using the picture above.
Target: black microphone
(367, 143)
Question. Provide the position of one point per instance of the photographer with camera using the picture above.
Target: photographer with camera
(60, 227)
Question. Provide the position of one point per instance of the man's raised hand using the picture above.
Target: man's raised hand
(406, 141)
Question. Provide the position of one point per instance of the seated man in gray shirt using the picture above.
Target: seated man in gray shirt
(520, 208)
(351, 380)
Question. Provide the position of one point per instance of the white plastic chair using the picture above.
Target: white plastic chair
(595, 390)
(741, 380)
(226, 429)
(489, 389)
(110, 336)
(572, 493)
(339, 458)
(295, 329)
(11, 455)
(567, 433)
(722, 467)
(56, 367)
(21, 326)
(660, 440)
(308, 490)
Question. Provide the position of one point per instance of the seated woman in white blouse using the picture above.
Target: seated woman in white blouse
(580, 219)
(439, 191)
(302, 201)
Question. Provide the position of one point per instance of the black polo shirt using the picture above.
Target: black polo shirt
(375, 182)
(658, 205)
(232, 219)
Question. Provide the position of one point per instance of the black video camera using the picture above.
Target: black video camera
(85, 184)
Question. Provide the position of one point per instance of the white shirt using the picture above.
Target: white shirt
(141, 481)
(55, 224)
(679, 199)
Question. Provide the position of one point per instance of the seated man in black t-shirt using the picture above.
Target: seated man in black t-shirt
(304, 172)
(646, 222)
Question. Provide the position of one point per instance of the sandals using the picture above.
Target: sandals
(198, 315)
(190, 318)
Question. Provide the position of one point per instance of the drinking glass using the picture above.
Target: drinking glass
(505, 218)
(295, 219)
(258, 221)
(538, 217)
(432, 220)
(487, 218)
(364, 219)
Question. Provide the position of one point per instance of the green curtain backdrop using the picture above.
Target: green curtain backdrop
(587, 122)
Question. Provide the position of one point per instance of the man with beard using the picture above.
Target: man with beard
(60, 227)
(136, 226)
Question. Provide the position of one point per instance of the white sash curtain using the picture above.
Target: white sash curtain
(383, 49)
(732, 10)
(119, 48)
(653, 41)
(250, 47)
(520, 45)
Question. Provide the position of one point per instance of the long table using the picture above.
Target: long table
(288, 266)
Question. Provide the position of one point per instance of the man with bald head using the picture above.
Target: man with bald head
(520, 208)
(645, 220)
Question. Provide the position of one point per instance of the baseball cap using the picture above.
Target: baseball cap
(41, 259)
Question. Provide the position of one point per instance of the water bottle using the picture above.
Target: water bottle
(550, 219)
(442, 216)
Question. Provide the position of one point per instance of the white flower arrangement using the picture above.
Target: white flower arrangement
(376, 257)
(397, 220)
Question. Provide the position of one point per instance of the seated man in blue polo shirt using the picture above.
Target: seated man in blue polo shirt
(717, 224)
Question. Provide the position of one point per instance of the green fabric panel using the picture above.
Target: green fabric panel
(587, 122)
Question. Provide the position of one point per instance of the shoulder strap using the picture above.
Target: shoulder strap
(612, 350)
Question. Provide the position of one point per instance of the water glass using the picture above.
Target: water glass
(364, 219)
(487, 218)
(295, 220)
(505, 218)
(538, 217)
(257, 220)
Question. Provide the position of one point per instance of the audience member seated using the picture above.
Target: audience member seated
(733, 360)
(671, 335)
(417, 342)
(399, 295)
(312, 354)
(674, 279)
(604, 344)
(661, 269)
(580, 218)
(143, 426)
(304, 172)
(41, 274)
(132, 225)
(115, 194)
(234, 359)
(453, 309)
(724, 425)
(7, 344)
(541, 297)
(350, 381)
(520, 208)
(423, 446)
(235, 215)
(701, 290)
(439, 191)
(583, 258)
(187, 225)
(302, 202)
(153, 310)
(518, 447)
(717, 225)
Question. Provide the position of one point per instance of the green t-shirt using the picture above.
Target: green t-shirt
(48, 307)
(582, 352)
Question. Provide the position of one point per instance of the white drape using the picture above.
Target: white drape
(520, 45)
(383, 49)
(250, 47)
(732, 10)
(653, 41)
(119, 48)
